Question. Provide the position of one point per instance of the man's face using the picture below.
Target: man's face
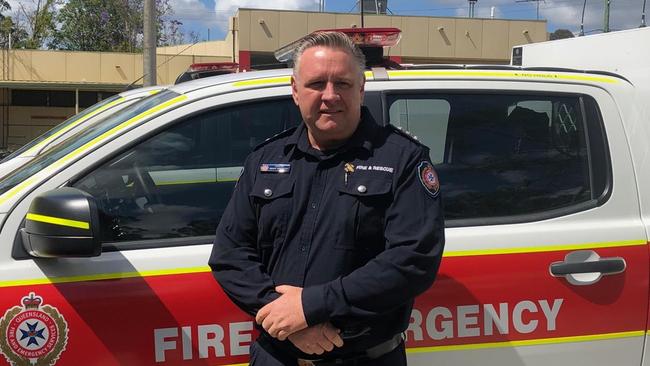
(328, 89)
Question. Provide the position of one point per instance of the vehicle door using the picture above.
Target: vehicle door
(150, 297)
(546, 260)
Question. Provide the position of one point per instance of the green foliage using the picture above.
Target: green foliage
(98, 25)
(8, 28)
(560, 34)
(111, 25)
(40, 22)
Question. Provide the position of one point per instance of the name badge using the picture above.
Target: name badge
(275, 168)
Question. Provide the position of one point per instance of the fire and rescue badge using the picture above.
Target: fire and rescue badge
(428, 178)
(33, 334)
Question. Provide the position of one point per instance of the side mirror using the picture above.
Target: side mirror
(63, 222)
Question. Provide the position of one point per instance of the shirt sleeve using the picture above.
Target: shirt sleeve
(235, 261)
(414, 234)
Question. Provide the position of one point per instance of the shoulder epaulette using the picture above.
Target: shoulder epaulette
(285, 133)
(404, 133)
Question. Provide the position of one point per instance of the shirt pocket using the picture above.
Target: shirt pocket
(361, 228)
(272, 198)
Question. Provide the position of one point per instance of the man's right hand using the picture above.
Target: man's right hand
(317, 339)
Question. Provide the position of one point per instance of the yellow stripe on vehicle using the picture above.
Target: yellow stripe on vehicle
(12, 192)
(528, 342)
(179, 182)
(58, 221)
(46, 141)
(117, 129)
(105, 276)
(181, 271)
(266, 81)
(550, 248)
(278, 80)
(500, 74)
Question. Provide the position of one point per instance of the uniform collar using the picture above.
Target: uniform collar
(362, 136)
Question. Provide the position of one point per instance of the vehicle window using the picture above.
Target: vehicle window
(81, 138)
(178, 182)
(424, 118)
(67, 124)
(502, 156)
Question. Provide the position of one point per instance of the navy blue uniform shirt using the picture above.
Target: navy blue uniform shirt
(359, 228)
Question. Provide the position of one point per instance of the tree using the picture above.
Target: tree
(560, 34)
(9, 30)
(111, 25)
(39, 21)
(170, 30)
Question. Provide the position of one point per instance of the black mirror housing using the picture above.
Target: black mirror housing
(63, 222)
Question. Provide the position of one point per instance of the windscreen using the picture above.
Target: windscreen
(67, 124)
(83, 137)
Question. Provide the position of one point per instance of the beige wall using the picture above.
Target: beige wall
(211, 48)
(26, 123)
(30, 69)
(90, 68)
(424, 39)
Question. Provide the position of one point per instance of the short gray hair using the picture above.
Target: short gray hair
(330, 39)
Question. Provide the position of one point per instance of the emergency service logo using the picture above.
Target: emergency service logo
(429, 178)
(33, 334)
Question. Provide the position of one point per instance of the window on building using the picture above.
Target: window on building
(88, 98)
(56, 98)
(177, 183)
(60, 98)
(502, 158)
(29, 98)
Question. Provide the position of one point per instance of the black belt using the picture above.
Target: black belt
(369, 354)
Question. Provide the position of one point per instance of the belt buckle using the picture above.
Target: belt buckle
(303, 362)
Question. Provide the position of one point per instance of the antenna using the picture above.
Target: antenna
(606, 18)
(582, 21)
(472, 3)
(361, 9)
(643, 16)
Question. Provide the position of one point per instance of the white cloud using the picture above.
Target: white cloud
(561, 14)
(192, 11)
(226, 8)
(558, 13)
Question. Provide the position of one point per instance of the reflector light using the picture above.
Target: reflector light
(363, 37)
(371, 37)
(213, 66)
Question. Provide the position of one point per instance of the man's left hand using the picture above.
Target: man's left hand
(283, 316)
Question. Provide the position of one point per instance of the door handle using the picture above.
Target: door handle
(603, 265)
(586, 267)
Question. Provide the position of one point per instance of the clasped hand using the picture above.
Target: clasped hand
(284, 318)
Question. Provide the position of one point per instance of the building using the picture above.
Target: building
(39, 89)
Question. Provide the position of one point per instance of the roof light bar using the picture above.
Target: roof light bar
(213, 66)
(363, 37)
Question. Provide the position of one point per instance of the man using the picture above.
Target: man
(334, 227)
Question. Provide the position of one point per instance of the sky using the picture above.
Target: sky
(211, 16)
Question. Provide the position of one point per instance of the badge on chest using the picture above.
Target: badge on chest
(275, 168)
